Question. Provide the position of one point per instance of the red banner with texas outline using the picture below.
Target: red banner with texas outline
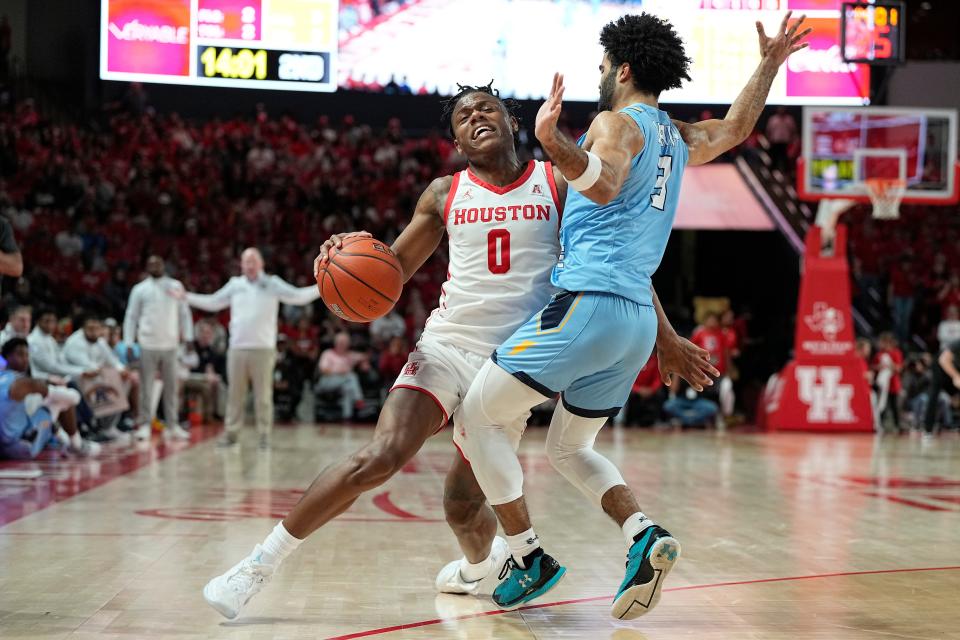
(825, 388)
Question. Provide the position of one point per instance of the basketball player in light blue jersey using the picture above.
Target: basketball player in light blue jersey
(590, 341)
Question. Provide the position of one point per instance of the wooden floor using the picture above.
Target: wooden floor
(784, 536)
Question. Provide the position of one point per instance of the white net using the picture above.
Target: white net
(885, 195)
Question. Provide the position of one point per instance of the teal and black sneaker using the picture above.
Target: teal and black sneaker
(523, 585)
(649, 560)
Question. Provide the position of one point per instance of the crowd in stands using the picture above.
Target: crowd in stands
(901, 385)
(88, 203)
(724, 335)
(913, 266)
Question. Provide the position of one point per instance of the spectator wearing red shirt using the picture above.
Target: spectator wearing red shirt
(711, 336)
(731, 334)
(304, 344)
(888, 363)
(949, 294)
(646, 398)
(901, 297)
(392, 360)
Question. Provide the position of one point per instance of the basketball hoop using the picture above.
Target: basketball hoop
(885, 194)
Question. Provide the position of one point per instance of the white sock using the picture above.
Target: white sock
(472, 572)
(278, 545)
(634, 525)
(76, 441)
(522, 545)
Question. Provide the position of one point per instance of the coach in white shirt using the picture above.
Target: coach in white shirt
(158, 322)
(254, 299)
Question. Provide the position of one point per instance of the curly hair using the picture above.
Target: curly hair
(511, 106)
(651, 47)
(10, 346)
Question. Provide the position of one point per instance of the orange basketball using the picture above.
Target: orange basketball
(361, 281)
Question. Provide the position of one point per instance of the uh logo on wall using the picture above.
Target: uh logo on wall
(825, 388)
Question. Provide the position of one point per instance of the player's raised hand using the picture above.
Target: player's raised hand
(687, 360)
(549, 113)
(335, 241)
(787, 40)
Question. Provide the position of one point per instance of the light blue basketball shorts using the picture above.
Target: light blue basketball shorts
(587, 346)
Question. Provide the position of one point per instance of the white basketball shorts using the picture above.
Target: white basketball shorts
(442, 371)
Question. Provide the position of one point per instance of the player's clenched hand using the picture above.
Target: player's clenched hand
(335, 241)
(687, 360)
(786, 41)
(549, 113)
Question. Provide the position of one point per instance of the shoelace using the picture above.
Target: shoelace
(244, 578)
(509, 565)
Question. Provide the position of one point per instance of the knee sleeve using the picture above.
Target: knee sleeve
(488, 427)
(570, 451)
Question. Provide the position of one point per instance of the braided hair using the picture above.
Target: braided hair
(511, 106)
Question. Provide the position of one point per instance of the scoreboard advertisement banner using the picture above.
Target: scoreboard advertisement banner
(272, 44)
(433, 45)
(429, 46)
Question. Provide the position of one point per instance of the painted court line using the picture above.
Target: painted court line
(426, 623)
(115, 462)
(97, 534)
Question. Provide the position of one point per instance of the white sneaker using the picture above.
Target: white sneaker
(228, 593)
(87, 449)
(449, 579)
(176, 432)
(142, 432)
(120, 437)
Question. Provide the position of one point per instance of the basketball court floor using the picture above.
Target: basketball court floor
(784, 536)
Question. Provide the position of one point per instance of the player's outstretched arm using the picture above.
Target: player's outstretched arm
(417, 241)
(612, 138)
(709, 138)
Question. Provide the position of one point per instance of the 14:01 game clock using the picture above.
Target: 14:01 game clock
(873, 32)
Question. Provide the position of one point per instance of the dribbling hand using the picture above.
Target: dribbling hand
(787, 41)
(335, 241)
(549, 113)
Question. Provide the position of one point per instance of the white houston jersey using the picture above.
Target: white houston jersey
(504, 242)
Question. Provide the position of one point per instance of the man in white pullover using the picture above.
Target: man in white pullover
(46, 361)
(158, 322)
(254, 299)
(88, 349)
(18, 326)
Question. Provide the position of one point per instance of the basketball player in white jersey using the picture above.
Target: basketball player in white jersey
(502, 217)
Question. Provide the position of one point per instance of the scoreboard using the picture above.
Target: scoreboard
(271, 44)
(873, 33)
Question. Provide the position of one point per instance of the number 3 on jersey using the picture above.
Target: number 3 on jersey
(659, 195)
(498, 251)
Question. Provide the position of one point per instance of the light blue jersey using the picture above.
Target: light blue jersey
(14, 421)
(15, 424)
(616, 247)
(593, 337)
